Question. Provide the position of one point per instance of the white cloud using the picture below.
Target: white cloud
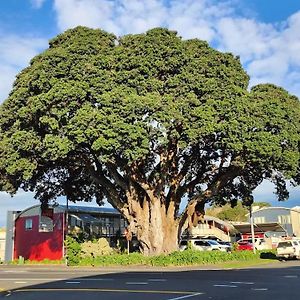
(190, 18)
(270, 52)
(15, 54)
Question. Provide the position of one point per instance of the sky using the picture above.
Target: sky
(265, 34)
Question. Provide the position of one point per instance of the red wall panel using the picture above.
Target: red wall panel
(35, 245)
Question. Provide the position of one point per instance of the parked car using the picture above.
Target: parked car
(246, 244)
(288, 249)
(203, 245)
(228, 245)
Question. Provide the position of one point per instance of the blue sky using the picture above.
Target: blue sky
(264, 33)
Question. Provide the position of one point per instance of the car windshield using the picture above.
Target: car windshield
(213, 242)
(284, 244)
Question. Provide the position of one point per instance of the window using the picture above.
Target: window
(259, 220)
(46, 224)
(284, 219)
(28, 224)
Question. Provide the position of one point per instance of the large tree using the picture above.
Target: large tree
(145, 121)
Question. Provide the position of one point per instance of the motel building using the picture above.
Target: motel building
(36, 234)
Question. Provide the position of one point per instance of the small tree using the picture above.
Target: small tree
(145, 121)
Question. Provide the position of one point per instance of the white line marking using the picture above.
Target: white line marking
(19, 271)
(187, 296)
(260, 289)
(157, 280)
(72, 282)
(290, 276)
(136, 282)
(241, 282)
(225, 285)
(20, 281)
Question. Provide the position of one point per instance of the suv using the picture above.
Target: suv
(203, 245)
(288, 249)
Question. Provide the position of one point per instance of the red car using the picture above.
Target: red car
(244, 245)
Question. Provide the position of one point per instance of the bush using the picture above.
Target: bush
(95, 248)
(73, 249)
(178, 258)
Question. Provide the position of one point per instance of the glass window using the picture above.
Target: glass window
(259, 220)
(28, 224)
(284, 219)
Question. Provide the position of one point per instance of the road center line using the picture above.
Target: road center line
(189, 293)
(241, 282)
(157, 280)
(137, 282)
(72, 282)
(260, 289)
(290, 276)
(225, 285)
(187, 296)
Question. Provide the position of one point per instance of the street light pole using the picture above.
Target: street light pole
(252, 228)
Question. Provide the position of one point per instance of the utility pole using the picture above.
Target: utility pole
(252, 228)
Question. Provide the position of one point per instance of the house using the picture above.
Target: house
(212, 227)
(37, 234)
(287, 218)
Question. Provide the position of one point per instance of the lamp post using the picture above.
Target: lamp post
(252, 228)
(66, 231)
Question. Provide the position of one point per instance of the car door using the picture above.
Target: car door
(200, 245)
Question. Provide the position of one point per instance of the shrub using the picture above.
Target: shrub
(73, 249)
(95, 248)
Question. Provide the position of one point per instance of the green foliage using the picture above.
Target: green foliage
(178, 258)
(73, 249)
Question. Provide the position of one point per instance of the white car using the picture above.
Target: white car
(203, 245)
(288, 249)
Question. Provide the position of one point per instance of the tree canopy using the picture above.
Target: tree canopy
(144, 121)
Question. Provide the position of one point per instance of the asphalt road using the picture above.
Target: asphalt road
(278, 281)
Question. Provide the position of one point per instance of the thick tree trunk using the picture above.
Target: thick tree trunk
(154, 226)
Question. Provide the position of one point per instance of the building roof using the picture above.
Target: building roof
(90, 209)
(263, 227)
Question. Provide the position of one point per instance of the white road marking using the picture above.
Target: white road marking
(241, 282)
(225, 285)
(72, 282)
(157, 280)
(20, 281)
(15, 271)
(187, 296)
(136, 282)
(259, 289)
(290, 276)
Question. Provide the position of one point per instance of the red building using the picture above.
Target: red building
(37, 234)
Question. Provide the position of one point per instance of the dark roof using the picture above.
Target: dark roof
(90, 209)
(263, 227)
